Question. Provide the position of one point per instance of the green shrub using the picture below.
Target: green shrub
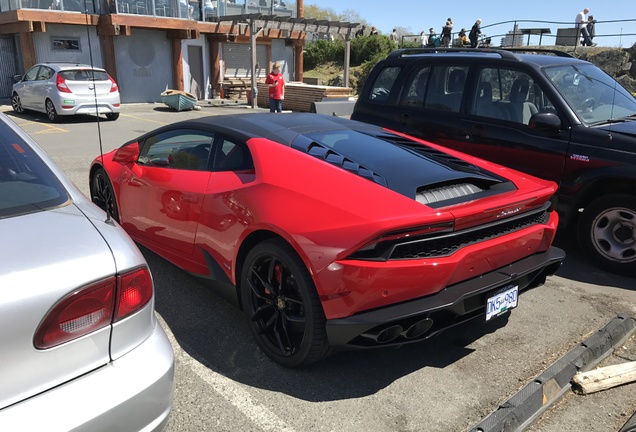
(323, 51)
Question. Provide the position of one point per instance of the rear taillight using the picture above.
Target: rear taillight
(134, 290)
(61, 84)
(113, 86)
(94, 307)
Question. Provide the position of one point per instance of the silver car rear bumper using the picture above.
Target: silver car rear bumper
(133, 393)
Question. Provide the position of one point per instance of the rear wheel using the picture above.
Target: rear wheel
(16, 103)
(607, 231)
(103, 194)
(281, 305)
(112, 116)
(51, 113)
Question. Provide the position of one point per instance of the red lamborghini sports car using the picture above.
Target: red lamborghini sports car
(331, 233)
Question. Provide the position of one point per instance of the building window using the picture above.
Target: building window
(66, 44)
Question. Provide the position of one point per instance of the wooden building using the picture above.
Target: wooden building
(150, 45)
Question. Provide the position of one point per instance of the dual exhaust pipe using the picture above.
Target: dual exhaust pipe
(392, 332)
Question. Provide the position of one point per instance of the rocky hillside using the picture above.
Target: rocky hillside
(618, 62)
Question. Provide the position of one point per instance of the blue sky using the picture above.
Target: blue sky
(418, 15)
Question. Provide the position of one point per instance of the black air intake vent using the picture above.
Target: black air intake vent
(328, 155)
(427, 151)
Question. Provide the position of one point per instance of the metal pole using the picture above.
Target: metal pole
(347, 59)
(253, 34)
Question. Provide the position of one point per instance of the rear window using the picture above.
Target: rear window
(84, 75)
(27, 185)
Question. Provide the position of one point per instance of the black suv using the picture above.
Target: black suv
(547, 114)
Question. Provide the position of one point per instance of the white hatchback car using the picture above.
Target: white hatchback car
(81, 346)
(59, 89)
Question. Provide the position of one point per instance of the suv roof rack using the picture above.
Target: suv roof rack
(540, 51)
(506, 54)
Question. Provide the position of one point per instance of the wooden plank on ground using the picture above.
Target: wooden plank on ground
(604, 378)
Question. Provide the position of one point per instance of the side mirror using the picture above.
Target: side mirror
(17, 78)
(127, 154)
(545, 122)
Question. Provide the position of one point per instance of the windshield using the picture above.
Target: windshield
(592, 94)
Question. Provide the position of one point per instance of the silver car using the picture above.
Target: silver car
(60, 89)
(81, 347)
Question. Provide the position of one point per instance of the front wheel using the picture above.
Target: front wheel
(103, 194)
(16, 103)
(607, 231)
(281, 305)
(51, 113)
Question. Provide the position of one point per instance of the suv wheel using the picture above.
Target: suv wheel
(607, 231)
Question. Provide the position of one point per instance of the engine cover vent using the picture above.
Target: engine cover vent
(444, 193)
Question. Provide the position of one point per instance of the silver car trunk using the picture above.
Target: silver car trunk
(33, 279)
(89, 88)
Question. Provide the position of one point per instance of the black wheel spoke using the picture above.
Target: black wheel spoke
(271, 276)
(262, 310)
(285, 349)
(256, 291)
(300, 319)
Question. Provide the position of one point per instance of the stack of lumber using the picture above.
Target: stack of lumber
(299, 96)
(237, 88)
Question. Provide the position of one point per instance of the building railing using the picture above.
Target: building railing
(198, 10)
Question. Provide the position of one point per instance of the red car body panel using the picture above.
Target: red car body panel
(328, 214)
(223, 208)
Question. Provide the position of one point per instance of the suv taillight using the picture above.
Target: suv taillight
(93, 307)
(61, 84)
(113, 86)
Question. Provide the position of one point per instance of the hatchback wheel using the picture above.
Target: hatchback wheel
(103, 194)
(112, 116)
(50, 111)
(16, 103)
(607, 231)
(281, 305)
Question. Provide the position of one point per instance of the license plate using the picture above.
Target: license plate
(501, 302)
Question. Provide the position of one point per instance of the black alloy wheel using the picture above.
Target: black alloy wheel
(103, 194)
(16, 103)
(281, 305)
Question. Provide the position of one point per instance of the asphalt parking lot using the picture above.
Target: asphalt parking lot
(450, 383)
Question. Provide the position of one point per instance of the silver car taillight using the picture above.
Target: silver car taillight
(93, 307)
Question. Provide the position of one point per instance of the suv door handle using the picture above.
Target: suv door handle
(405, 117)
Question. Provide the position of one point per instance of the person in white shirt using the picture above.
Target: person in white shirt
(580, 22)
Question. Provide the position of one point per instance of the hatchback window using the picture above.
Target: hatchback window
(27, 185)
(84, 75)
(591, 93)
(45, 73)
(32, 74)
(383, 84)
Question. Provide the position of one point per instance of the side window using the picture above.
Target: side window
(509, 95)
(231, 156)
(416, 89)
(32, 74)
(446, 88)
(45, 73)
(180, 149)
(383, 84)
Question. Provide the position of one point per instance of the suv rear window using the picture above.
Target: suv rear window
(27, 185)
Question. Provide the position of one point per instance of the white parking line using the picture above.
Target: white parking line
(230, 390)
